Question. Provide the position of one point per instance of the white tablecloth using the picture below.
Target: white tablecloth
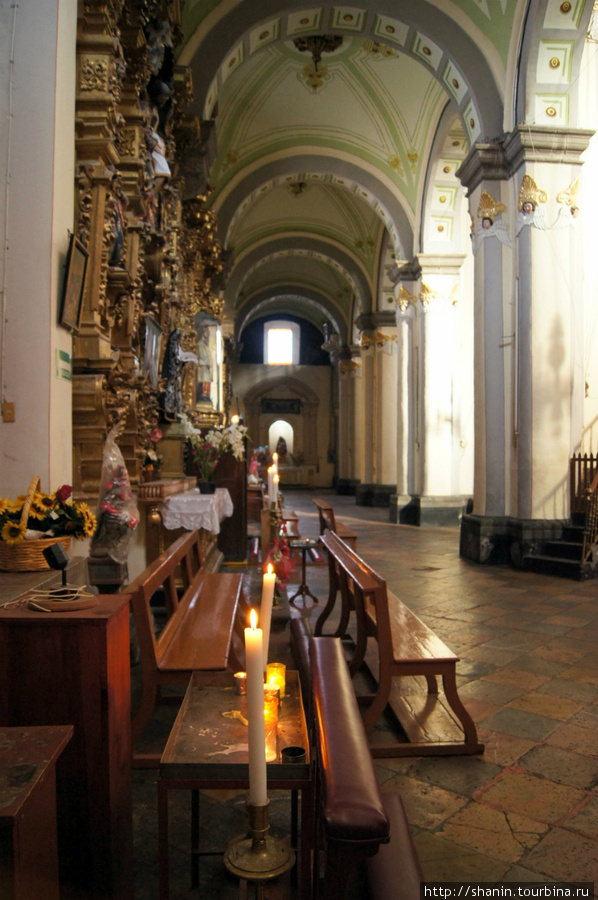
(192, 510)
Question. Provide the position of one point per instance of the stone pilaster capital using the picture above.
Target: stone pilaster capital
(539, 143)
(484, 162)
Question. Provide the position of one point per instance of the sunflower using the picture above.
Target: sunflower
(36, 513)
(13, 532)
(5, 505)
(44, 502)
(89, 520)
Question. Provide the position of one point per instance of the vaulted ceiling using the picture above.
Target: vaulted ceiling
(325, 173)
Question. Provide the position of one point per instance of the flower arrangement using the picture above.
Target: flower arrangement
(118, 516)
(279, 555)
(207, 449)
(152, 457)
(50, 515)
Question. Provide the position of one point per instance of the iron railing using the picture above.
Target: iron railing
(584, 498)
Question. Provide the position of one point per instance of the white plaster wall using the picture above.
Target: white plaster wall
(589, 242)
(36, 174)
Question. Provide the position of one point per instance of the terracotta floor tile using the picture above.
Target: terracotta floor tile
(490, 692)
(443, 860)
(546, 705)
(479, 709)
(496, 655)
(573, 737)
(586, 820)
(566, 687)
(520, 723)
(460, 774)
(528, 795)
(426, 805)
(503, 749)
(558, 654)
(505, 836)
(562, 766)
(530, 663)
(518, 677)
(581, 673)
(565, 856)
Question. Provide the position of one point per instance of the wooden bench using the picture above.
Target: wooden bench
(329, 521)
(355, 820)
(403, 647)
(203, 631)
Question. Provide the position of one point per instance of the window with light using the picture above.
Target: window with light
(281, 343)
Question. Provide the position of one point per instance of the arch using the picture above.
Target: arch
(550, 56)
(423, 25)
(266, 302)
(257, 422)
(381, 195)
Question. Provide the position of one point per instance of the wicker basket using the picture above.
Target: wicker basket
(28, 556)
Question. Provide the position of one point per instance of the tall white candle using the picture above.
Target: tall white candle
(254, 664)
(266, 607)
(271, 484)
(275, 462)
(276, 479)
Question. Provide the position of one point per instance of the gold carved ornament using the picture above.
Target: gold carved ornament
(488, 207)
(529, 192)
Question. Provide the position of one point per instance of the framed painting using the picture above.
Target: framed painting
(74, 285)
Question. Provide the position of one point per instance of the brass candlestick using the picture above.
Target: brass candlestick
(257, 856)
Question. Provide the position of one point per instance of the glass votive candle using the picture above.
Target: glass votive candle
(241, 682)
(276, 674)
(271, 724)
(272, 689)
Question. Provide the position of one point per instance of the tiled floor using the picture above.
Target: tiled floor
(527, 809)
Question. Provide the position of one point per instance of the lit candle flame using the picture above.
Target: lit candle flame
(270, 569)
(253, 619)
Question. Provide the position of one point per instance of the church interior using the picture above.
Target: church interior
(313, 298)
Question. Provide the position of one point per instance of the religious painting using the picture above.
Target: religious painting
(207, 391)
(151, 356)
(74, 285)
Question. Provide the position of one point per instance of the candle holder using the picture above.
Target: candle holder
(257, 856)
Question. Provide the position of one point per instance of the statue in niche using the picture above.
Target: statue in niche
(281, 449)
(490, 225)
(530, 213)
(569, 211)
(172, 376)
(205, 371)
(117, 254)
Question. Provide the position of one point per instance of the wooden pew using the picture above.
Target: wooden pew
(203, 632)
(403, 647)
(356, 821)
(329, 521)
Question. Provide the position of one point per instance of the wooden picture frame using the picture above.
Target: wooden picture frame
(74, 285)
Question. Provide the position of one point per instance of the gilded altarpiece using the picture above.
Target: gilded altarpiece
(152, 253)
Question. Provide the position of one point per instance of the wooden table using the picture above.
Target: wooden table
(192, 761)
(73, 668)
(28, 843)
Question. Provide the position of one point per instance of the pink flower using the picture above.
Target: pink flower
(155, 434)
(63, 493)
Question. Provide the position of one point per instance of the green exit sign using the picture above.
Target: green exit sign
(64, 365)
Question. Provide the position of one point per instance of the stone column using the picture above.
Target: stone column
(380, 408)
(549, 388)
(446, 389)
(350, 420)
(528, 328)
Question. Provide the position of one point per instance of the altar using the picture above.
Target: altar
(191, 510)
